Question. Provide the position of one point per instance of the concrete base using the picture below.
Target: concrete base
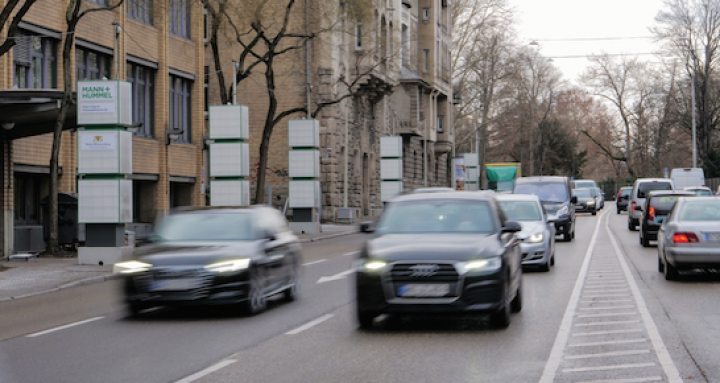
(305, 227)
(104, 255)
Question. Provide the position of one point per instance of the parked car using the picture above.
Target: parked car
(636, 199)
(538, 230)
(599, 197)
(683, 177)
(690, 236)
(658, 205)
(437, 253)
(621, 204)
(209, 256)
(585, 202)
(556, 197)
(702, 191)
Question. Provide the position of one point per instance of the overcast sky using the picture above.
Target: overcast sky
(577, 19)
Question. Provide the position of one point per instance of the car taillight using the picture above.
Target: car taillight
(688, 237)
(619, 194)
(651, 213)
(634, 205)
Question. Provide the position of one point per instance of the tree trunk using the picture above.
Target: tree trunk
(267, 131)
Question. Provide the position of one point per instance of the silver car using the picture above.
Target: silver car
(689, 237)
(538, 230)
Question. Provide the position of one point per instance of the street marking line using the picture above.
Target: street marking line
(604, 290)
(608, 332)
(612, 367)
(605, 342)
(63, 327)
(336, 277)
(668, 366)
(607, 307)
(607, 315)
(631, 380)
(607, 323)
(202, 373)
(605, 354)
(351, 253)
(606, 295)
(556, 353)
(314, 262)
(310, 324)
(608, 300)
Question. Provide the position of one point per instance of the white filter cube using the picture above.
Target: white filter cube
(304, 133)
(472, 174)
(104, 102)
(105, 201)
(104, 152)
(391, 169)
(304, 163)
(303, 194)
(229, 193)
(230, 159)
(391, 147)
(390, 189)
(471, 159)
(229, 122)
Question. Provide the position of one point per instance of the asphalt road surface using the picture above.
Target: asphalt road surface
(602, 314)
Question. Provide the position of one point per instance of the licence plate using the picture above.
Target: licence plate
(180, 284)
(423, 290)
(712, 237)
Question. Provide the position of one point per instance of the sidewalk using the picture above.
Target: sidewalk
(20, 279)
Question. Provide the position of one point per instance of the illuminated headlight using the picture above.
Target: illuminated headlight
(131, 267)
(372, 266)
(563, 210)
(590, 203)
(229, 266)
(535, 238)
(487, 264)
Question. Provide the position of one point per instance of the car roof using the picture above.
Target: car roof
(696, 188)
(653, 193)
(517, 197)
(639, 180)
(217, 209)
(430, 190)
(704, 198)
(626, 187)
(541, 179)
(456, 195)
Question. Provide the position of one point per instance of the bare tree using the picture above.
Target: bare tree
(7, 11)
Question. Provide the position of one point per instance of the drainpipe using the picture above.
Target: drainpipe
(307, 55)
(345, 159)
(234, 82)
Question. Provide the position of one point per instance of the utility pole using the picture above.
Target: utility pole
(234, 82)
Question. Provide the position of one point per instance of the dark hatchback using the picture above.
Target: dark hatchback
(621, 204)
(449, 253)
(658, 205)
(235, 257)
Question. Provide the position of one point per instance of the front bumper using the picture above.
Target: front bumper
(584, 208)
(535, 254)
(691, 257)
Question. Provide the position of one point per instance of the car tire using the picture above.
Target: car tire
(567, 237)
(291, 293)
(617, 210)
(135, 309)
(545, 267)
(644, 241)
(365, 319)
(501, 318)
(552, 260)
(594, 212)
(661, 266)
(631, 227)
(671, 272)
(256, 301)
(516, 304)
(573, 235)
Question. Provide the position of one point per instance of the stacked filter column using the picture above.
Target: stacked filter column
(472, 171)
(304, 172)
(391, 167)
(229, 155)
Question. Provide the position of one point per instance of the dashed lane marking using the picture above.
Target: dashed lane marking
(215, 367)
(310, 324)
(69, 325)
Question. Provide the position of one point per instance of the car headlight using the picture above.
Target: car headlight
(487, 264)
(229, 266)
(373, 266)
(563, 210)
(131, 267)
(591, 202)
(536, 238)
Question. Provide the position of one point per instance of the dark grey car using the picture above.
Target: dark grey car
(586, 202)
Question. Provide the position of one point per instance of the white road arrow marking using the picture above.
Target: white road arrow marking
(336, 277)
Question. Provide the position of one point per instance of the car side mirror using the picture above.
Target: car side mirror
(367, 227)
(511, 227)
(573, 199)
(551, 219)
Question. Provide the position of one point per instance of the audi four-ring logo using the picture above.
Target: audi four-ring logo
(424, 270)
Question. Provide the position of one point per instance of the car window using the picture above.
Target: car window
(665, 202)
(206, 227)
(584, 184)
(437, 216)
(593, 192)
(625, 192)
(581, 193)
(645, 187)
(702, 192)
(546, 191)
(700, 211)
(521, 210)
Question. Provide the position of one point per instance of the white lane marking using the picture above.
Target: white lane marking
(607, 315)
(207, 371)
(607, 307)
(608, 332)
(604, 290)
(662, 353)
(314, 262)
(632, 380)
(606, 354)
(606, 295)
(612, 367)
(556, 354)
(310, 324)
(350, 253)
(63, 327)
(336, 277)
(606, 300)
(607, 323)
(606, 342)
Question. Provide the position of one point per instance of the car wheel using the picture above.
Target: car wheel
(552, 260)
(631, 226)
(501, 318)
(661, 266)
(671, 272)
(617, 210)
(365, 319)
(516, 304)
(257, 301)
(567, 237)
(135, 309)
(594, 212)
(291, 293)
(573, 235)
(545, 266)
(644, 241)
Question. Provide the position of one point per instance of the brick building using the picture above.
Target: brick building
(401, 62)
(160, 50)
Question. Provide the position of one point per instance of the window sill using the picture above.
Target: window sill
(151, 25)
(189, 39)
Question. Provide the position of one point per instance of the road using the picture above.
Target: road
(602, 314)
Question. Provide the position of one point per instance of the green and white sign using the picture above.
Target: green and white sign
(104, 102)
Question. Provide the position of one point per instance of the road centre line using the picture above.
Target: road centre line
(608, 307)
(606, 354)
(606, 342)
(607, 323)
(207, 371)
(63, 327)
(605, 295)
(611, 367)
(556, 353)
(668, 366)
(609, 300)
(607, 315)
(631, 380)
(310, 324)
(608, 332)
(314, 262)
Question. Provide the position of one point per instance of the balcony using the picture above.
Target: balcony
(408, 128)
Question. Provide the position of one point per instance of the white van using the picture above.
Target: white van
(636, 199)
(684, 177)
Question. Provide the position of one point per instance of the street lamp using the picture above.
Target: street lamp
(694, 131)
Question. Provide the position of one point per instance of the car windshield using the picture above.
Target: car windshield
(624, 192)
(437, 216)
(593, 192)
(584, 184)
(521, 210)
(702, 192)
(581, 193)
(546, 191)
(206, 227)
(646, 187)
(700, 211)
(665, 202)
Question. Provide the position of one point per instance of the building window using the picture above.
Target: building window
(180, 91)
(426, 13)
(440, 127)
(27, 199)
(426, 59)
(91, 65)
(206, 85)
(35, 62)
(143, 93)
(180, 18)
(140, 10)
(358, 36)
(206, 26)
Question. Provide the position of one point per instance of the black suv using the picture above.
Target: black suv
(658, 205)
(556, 198)
(451, 252)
